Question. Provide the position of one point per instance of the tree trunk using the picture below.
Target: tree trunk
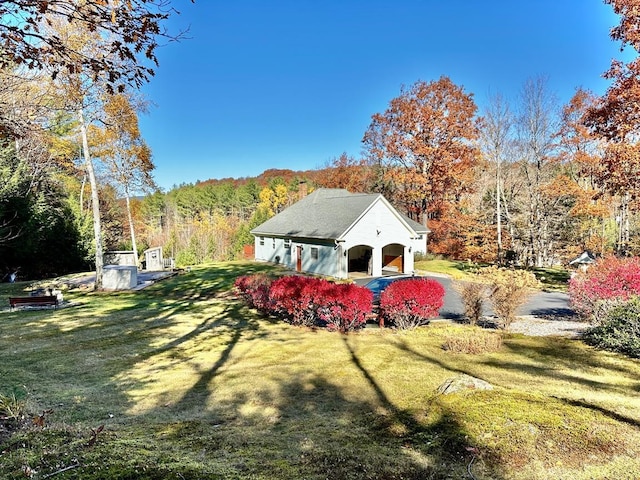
(624, 226)
(499, 214)
(95, 203)
(134, 247)
(84, 182)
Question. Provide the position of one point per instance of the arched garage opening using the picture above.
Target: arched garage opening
(393, 258)
(359, 259)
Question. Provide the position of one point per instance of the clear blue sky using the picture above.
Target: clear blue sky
(293, 84)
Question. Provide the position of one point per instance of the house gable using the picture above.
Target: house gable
(381, 218)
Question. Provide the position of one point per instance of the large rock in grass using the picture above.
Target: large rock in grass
(463, 382)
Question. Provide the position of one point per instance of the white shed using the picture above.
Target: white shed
(333, 232)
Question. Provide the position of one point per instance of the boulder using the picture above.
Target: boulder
(463, 382)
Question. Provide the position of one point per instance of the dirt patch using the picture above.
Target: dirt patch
(547, 327)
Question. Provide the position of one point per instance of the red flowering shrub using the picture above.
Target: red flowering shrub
(307, 301)
(607, 283)
(410, 303)
(254, 290)
(296, 298)
(344, 307)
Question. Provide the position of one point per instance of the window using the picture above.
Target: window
(261, 240)
(274, 243)
(287, 243)
(314, 253)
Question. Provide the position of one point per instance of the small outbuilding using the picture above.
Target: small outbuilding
(333, 232)
(583, 261)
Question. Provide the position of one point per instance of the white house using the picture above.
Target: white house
(333, 232)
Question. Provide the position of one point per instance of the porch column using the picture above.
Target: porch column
(408, 265)
(342, 259)
(376, 259)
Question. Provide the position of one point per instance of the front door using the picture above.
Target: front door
(299, 258)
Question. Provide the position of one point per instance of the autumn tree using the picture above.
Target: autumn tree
(120, 145)
(87, 47)
(615, 119)
(78, 93)
(130, 31)
(536, 126)
(496, 139)
(580, 155)
(425, 147)
(349, 173)
(273, 200)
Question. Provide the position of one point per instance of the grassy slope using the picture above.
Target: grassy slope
(191, 384)
(549, 278)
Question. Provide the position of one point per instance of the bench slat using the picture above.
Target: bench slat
(25, 301)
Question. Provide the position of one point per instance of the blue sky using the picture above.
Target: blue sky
(293, 84)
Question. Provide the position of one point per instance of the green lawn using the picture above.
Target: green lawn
(190, 384)
(549, 278)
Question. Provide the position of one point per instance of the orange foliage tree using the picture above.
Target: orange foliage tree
(130, 32)
(125, 153)
(424, 146)
(348, 173)
(581, 157)
(615, 119)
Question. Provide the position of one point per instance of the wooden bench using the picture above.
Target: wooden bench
(35, 301)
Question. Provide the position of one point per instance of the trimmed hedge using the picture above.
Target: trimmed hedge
(296, 298)
(345, 307)
(254, 290)
(411, 303)
(308, 301)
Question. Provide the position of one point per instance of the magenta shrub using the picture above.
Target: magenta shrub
(410, 303)
(254, 290)
(308, 301)
(345, 307)
(296, 298)
(606, 283)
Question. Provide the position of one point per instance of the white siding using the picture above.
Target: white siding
(379, 227)
(327, 262)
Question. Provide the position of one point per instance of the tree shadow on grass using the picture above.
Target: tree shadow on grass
(605, 411)
(542, 370)
(405, 347)
(113, 333)
(446, 439)
(308, 427)
(569, 353)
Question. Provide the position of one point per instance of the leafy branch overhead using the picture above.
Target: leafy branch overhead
(130, 31)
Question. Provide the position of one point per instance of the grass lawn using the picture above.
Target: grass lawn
(549, 278)
(182, 381)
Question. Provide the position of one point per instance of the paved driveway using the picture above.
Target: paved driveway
(542, 304)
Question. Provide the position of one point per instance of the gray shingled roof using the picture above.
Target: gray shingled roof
(326, 213)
